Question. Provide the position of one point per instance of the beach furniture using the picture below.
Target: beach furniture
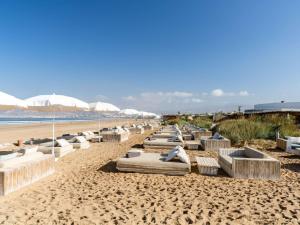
(61, 148)
(201, 132)
(163, 143)
(164, 134)
(248, 163)
(207, 166)
(91, 136)
(154, 163)
(114, 135)
(187, 137)
(134, 152)
(19, 169)
(148, 127)
(136, 129)
(192, 145)
(290, 144)
(214, 143)
(79, 142)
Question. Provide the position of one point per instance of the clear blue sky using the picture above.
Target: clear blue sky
(153, 55)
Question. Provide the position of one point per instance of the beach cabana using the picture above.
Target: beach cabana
(248, 163)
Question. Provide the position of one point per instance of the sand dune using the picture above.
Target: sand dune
(87, 189)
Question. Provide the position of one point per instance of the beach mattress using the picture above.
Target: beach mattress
(161, 143)
(22, 171)
(153, 163)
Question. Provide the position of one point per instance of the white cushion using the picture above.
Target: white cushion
(181, 154)
(172, 154)
(294, 139)
(62, 143)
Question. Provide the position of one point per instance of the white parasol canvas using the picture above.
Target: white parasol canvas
(54, 103)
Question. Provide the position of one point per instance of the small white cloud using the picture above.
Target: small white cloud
(197, 100)
(129, 98)
(217, 93)
(244, 93)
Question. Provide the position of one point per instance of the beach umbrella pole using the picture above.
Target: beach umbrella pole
(53, 131)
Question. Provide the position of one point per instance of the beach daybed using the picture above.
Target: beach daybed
(21, 169)
(162, 143)
(214, 143)
(91, 136)
(114, 135)
(61, 148)
(155, 163)
(136, 129)
(201, 132)
(290, 144)
(148, 127)
(79, 142)
(248, 163)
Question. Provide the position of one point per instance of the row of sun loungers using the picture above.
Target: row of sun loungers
(22, 167)
(245, 162)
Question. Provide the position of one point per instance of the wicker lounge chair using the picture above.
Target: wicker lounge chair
(153, 163)
(249, 163)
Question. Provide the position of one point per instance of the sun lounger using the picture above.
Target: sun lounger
(153, 163)
(61, 148)
(79, 142)
(249, 163)
(114, 136)
(290, 144)
(212, 144)
(136, 130)
(20, 171)
(148, 127)
(88, 135)
(162, 143)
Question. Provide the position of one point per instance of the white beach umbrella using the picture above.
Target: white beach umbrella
(130, 112)
(103, 107)
(54, 103)
(9, 102)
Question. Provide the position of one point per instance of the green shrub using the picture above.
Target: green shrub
(203, 122)
(261, 127)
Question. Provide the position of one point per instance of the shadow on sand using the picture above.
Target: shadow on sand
(109, 167)
(294, 167)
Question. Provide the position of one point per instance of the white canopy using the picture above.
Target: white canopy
(56, 103)
(130, 112)
(103, 107)
(8, 102)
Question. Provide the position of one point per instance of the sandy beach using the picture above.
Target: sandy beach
(87, 189)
